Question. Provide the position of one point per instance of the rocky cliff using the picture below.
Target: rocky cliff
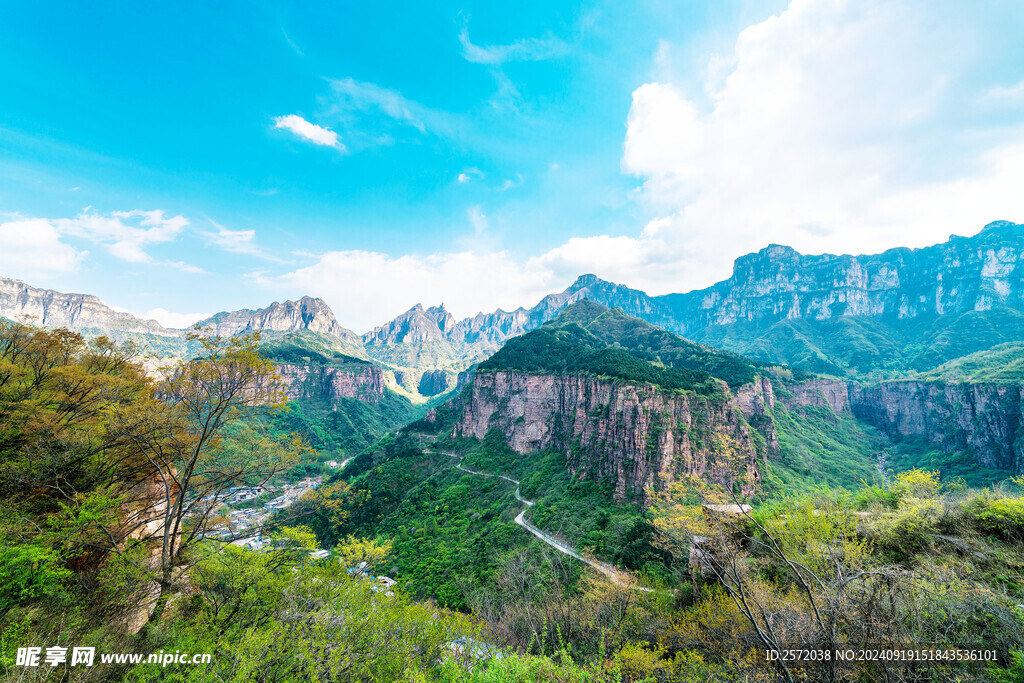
(833, 393)
(776, 283)
(983, 420)
(74, 311)
(291, 316)
(365, 383)
(635, 436)
(412, 327)
(434, 382)
(963, 284)
(962, 274)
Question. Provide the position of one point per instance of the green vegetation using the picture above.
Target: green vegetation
(935, 564)
(860, 346)
(835, 346)
(916, 452)
(310, 348)
(1003, 363)
(82, 432)
(587, 338)
(335, 427)
(449, 527)
(342, 427)
(818, 447)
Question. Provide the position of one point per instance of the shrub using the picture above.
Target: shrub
(916, 483)
(1001, 517)
(871, 495)
(909, 529)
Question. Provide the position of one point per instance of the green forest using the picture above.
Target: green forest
(91, 556)
(587, 338)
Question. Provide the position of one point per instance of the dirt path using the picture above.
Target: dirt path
(617, 577)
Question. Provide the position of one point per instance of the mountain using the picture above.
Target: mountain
(903, 309)
(74, 311)
(589, 415)
(428, 348)
(596, 412)
(340, 400)
(291, 316)
(777, 283)
(625, 401)
(888, 313)
(340, 403)
(638, 407)
(882, 314)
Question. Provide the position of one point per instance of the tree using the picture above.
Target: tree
(803, 573)
(196, 441)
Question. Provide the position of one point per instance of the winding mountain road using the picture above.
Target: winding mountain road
(614, 575)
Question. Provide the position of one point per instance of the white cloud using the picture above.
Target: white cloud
(32, 247)
(525, 50)
(176, 320)
(509, 183)
(507, 97)
(184, 267)
(470, 173)
(235, 241)
(362, 96)
(366, 289)
(309, 131)
(478, 219)
(1011, 93)
(125, 234)
(835, 126)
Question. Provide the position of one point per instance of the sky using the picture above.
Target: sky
(178, 159)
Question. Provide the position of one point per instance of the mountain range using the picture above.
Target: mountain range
(889, 313)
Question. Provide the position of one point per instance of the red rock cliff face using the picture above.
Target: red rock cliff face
(636, 436)
(364, 383)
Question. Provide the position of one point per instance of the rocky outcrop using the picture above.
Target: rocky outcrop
(291, 316)
(494, 328)
(49, 308)
(637, 437)
(434, 382)
(777, 283)
(413, 327)
(756, 398)
(985, 421)
(365, 383)
(756, 401)
(833, 393)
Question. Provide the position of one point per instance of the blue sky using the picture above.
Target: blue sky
(183, 158)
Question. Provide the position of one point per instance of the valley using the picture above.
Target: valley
(482, 342)
(614, 576)
(557, 467)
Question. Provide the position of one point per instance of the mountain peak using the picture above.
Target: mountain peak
(58, 309)
(998, 226)
(586, 280)
(581, 312)
(308, 313)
